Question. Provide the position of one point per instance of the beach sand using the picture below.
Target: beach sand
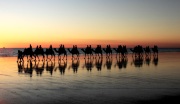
(105, 81)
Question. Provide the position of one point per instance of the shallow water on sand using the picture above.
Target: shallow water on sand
(107, 80)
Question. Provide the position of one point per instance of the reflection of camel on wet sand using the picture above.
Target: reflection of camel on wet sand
(20, 66)
(29, 68)
(98, 63)
(75, 65)
(98, 51)
(121, 62)
(137, 61)
(88, 51)
(39, 69)
(88, 64)
(108, 63)
(155, 60)
(148, 59)
(108, 51)
(62, 65)
(60, 51)
(74, 51)
(50, 67)
(121, 51)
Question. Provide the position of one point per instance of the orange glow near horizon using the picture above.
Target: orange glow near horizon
(88, 22)
(84, 42)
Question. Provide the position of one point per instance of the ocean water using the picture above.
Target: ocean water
(91, 81)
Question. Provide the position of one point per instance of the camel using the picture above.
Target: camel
(60, 51)
(155, 50)
(121, 51)
(138, 51)
(28, 52)
(20, 56)
(39, 51)
(50, 51)
(147, 51)
(74, 51)
(108, 51)
(98, 51)
(88, 51)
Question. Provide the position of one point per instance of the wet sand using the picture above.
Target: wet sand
(97, 81)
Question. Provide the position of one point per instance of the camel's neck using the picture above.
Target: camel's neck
(83, 50)
(70, 50)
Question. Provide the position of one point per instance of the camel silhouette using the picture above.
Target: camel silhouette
(20, 56)
(28, 53)
(121, 51)
(138, 51)
(155, 50)
(39, 51)
(50, 52)
(74, 51)
(88, 51)
(60, 51)
(98, 51)
(147, 51)
(108, 51)
(62, 65)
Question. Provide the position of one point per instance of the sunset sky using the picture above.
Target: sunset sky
(83, 22)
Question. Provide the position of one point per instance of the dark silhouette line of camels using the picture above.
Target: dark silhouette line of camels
(121, 51)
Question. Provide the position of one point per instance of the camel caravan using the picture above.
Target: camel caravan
(49, 53)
